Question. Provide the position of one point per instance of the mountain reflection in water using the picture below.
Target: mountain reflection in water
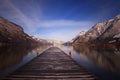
(107, 58)
(102, 61)
(12, 57)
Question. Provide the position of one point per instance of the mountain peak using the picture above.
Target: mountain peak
(82, 32)
(105, 31)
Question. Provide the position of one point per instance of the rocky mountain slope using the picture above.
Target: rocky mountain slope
(102, 32)
(79, 36)
(11, 33)
(112, 33)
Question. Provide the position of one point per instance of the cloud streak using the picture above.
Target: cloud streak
(65, 23)
(62, 35)
(33, 24)
(19, 15)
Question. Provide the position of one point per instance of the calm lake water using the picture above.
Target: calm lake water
(13, 57)
(103, 62)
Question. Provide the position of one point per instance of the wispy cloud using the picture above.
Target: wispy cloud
(64, 35)
(63, 23)
(19, 14)
(71, 30)
(34, 23)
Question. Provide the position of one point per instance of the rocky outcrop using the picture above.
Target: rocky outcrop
(102, 32)
(11, 33)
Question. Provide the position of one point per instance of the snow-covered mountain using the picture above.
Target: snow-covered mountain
(112, 32)
(80, 35)
(105, 31)
(47, 41)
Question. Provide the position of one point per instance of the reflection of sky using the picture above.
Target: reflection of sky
(58, 19)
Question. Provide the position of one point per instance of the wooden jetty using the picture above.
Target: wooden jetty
(52, 64)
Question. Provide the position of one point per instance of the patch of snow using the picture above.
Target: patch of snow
(117, 36)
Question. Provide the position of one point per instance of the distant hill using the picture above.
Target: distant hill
(11, 33)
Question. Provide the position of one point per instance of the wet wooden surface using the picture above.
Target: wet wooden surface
(52, 64)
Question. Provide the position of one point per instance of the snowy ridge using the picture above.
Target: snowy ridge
(102, 31)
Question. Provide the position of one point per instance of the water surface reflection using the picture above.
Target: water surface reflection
(13, 57)
(102, 61)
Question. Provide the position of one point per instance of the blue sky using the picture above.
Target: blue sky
(58, 19)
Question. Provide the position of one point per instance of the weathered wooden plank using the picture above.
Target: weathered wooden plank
(50, 79)
(52, 64)
(56, 76)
